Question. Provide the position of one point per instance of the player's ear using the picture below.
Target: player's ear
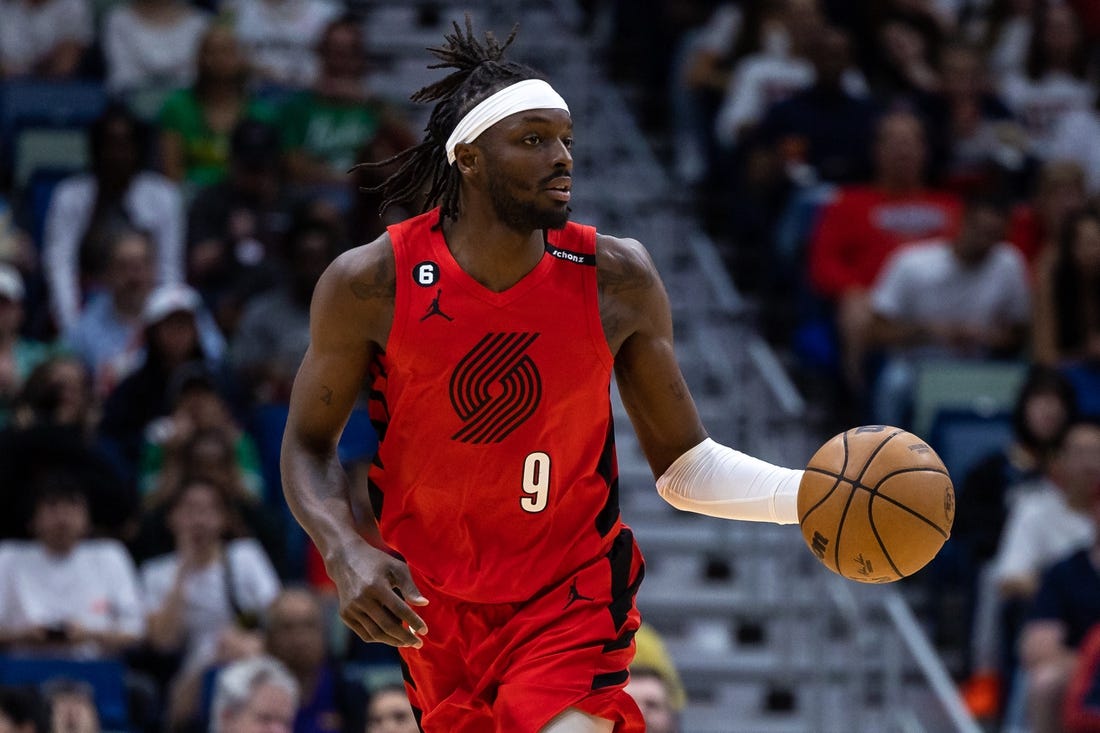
(467, 158)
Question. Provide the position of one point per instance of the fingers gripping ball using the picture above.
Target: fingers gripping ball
(875, 504)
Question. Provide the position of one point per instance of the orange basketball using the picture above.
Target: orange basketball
(876, 504)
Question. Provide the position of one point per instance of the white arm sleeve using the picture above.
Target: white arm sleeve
(718, 481)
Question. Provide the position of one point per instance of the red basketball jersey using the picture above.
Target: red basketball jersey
(496, 473)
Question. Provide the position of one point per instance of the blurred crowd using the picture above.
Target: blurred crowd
(821, 138)
(910, 189)
(175, 179)
(901, 184)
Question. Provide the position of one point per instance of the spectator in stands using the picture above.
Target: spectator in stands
(274, 329)
(864, 225)
(152, 44)
(699, 79)
(761, 80)
(174, 336)
(325, 128)
(52, 426)
(1070, 142)
(1053, 519)
(1037, 224)
(44, 38)
(1055, 78)
(19, 711)
(196, 122)
(62, 593)
(207, 597)
(255, 695)
(1082, 703)
(902, 58)
(966, 298)
(1065, 607)
(650, 690)
(1045, 523)
(1046, 404)
(1006, 36)
(71, 705)
(18, 355)
(821, 133)
(389, 711)
(280, 38)
(985, 147)
(236, 227)
(85, 207)
(197, 407)
(107, 335)
(295, 634)
(209, 455)
(1067, 298)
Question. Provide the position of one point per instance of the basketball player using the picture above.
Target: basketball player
(488, 329)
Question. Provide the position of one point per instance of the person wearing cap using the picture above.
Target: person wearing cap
(196, 122)
(107, 335)
(18, 355)
(175, 338)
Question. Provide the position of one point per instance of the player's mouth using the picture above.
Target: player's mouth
(560, 189)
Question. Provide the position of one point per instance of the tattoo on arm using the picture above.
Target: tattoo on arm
(679, 388)
(326, 394)
(625, 272)
(377, 284)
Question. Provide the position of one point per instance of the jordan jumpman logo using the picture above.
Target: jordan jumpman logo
(574, 595)
(434, 309)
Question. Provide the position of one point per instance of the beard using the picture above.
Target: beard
(522, 216)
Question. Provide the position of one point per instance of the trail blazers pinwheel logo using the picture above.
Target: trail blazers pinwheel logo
(495, 387)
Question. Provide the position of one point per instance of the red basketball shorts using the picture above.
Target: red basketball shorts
(511, 668)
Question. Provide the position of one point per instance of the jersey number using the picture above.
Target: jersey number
(536, 482)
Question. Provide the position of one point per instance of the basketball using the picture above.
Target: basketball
(875, 504)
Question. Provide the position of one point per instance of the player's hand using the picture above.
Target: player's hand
(375, 591)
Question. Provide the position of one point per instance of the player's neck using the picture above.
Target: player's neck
(494, 254)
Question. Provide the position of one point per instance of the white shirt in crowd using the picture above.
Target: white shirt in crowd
(281, 37)
(153, 203)
(94, 586)
(30, 31)
(762, 80)
(207, 608)
(927, 283)
(1040, 103)
(1075, 138)
(1041, 529)
(141, 55)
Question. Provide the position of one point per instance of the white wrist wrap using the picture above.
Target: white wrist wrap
(721, 482)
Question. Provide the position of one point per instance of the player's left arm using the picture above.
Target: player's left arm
(694, 473)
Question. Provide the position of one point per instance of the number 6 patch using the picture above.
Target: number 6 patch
(426, 274)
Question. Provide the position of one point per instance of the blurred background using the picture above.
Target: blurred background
(865, 211)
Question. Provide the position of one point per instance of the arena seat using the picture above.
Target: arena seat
(106, 676)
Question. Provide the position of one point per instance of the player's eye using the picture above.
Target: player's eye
(567, 142)
(532, 139)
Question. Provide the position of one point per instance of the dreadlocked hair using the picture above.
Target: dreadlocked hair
(479, 72)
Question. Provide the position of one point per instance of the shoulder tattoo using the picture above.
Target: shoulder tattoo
(624, 271)
(376, 283)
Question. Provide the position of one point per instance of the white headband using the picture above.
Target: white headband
(519, 97)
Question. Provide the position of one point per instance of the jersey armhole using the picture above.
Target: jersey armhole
(584, 238)
(398, 234)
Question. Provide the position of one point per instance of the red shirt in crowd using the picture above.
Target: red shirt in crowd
(864, 225)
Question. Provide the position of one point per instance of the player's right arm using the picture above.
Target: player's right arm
(350, 317)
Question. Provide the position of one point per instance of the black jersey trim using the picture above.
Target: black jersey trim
(570, 255)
